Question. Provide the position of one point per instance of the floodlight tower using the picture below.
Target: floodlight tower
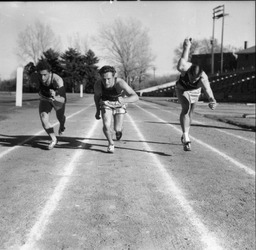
(218, 12)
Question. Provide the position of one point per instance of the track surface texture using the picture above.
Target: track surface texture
(148, 195)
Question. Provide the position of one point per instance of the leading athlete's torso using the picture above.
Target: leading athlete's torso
(186, 84)
(110, 94)
(52, 83)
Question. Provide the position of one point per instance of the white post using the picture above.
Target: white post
(81, 90)
(19, 85)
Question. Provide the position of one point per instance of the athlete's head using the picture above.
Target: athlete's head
(44, 70)
(106, 69)
(107, 74)
(194, 72)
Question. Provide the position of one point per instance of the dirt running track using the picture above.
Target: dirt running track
(148, 195)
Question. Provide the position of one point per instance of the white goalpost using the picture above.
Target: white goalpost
(19, 85)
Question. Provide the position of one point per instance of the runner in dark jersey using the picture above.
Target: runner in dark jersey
(188, 90)
(52, 95)
(111, 95)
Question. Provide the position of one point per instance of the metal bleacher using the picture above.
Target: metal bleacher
(238, 86)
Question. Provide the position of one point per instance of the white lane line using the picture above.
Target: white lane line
(222, 131)
(207, 238)
(38, 133)
(39, 227)
(226, 157)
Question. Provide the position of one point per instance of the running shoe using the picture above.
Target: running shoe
(118, 135)
(52, 144)
(187, 146)
(62, 127)
(111, 149)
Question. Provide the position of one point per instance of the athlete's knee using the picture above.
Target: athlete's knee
(185, 111)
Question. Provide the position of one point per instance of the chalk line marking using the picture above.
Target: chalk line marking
(41, 224)
(207, 238)
(226, 157)
(38, 133)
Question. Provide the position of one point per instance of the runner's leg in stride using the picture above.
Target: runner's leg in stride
(107, 115)
(44, 112)
(61, 118)
(118, 122)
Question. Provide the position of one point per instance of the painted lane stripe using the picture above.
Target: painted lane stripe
(38, 133)
(226, 157)
(39, 227)
(207, 238)
(222, 131)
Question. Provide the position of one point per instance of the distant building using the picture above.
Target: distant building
(246, 59)
(205, 60)
(241, 60)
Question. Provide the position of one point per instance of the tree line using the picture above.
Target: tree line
(75, 68)
(125, 44)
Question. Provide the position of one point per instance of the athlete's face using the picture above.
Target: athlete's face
(44, 74)
(108, 79)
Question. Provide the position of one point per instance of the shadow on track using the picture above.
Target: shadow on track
(42, 142)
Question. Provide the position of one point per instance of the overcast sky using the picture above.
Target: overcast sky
(168, 22)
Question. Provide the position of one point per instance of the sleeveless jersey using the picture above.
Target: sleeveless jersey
(186, 84)
(110, 94)
(45, 90)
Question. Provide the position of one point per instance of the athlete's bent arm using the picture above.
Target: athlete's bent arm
(58, 95)
(129, 94)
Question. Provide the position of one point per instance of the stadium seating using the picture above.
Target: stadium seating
(239, 86)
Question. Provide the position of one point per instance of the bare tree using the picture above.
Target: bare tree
(35, 40)
(126, 44)
(79, 43)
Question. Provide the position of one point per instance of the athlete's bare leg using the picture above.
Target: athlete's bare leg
(185, 117)
(118, 125)
(118, 122)
(45, 120)
(191, 112)
(107, 121)
(60, 114)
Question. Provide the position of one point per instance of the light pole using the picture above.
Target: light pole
(218, 12)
